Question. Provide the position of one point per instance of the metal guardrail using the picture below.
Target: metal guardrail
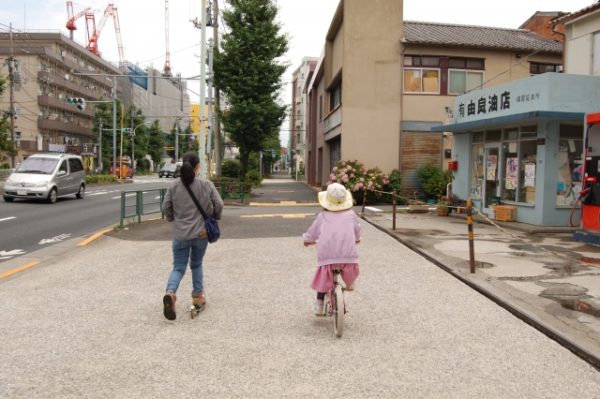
(233, 190)
(137, 203)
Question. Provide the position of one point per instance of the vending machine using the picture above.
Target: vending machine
(590, 192)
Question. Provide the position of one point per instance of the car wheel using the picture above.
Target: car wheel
(81, 193)
(8, 199)
(52, 195)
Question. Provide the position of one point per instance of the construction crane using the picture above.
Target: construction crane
(72, 18)
(92, 31)
(167, 67)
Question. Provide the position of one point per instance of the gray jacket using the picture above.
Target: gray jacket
(179, 207)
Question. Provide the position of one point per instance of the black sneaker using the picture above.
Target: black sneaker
(169, 306)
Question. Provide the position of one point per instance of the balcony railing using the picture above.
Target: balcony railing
(62, 126)
(333, 120)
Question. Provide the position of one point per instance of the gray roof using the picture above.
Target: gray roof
(452, 35)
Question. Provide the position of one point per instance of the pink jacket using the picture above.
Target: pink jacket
(336, 234)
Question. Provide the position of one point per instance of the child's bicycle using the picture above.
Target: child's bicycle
(334, 304)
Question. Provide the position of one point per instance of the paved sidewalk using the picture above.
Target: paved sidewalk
(91, 325)
(541, 274)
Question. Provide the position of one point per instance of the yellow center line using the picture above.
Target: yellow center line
(18, 269)
(93, 237)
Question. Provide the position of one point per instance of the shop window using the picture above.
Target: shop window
(421, 80)
(527, 171)
(510, 157)
(460, 82)
(493, 136)
(570, 165)
(478, 137)
(477, 177)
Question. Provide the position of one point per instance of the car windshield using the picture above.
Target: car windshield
(169, 166)
(38, 165)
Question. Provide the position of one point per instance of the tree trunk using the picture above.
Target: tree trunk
(244, 158)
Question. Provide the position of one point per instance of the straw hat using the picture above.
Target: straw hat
(336, 198)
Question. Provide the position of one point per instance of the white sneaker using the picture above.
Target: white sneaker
(318, 307)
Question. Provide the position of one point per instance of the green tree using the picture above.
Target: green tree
(7, 146)
(156, 142)
(247, 71)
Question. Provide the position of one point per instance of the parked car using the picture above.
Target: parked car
(46, 177)
(170, 170)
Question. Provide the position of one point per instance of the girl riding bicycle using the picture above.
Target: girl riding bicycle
(336, 231)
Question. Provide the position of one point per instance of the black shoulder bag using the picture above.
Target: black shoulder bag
(211, 224)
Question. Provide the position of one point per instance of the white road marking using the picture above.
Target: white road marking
(8, 218)
(9, 254)
(127, 195)
(373, 209)
(54, 239)
(98, 193)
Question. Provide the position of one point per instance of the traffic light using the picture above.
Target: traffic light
(77, 101)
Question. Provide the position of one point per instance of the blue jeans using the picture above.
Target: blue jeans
(192, 250)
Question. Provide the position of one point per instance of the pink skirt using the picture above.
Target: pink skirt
(323, 279)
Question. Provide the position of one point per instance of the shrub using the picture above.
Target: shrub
(253, 176)
(231, 168)
(142, 164)
(433, 180)
(92, 179)
(356, 178)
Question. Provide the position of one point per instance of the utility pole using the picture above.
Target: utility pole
(100, 147)
(217, 124)
(11, 69)
(176, 140)
(210, 102)
(202, 146)
(114, 125)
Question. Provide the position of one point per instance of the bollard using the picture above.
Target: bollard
(470, 236)
(393, 210)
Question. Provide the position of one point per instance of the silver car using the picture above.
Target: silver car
(46, 177)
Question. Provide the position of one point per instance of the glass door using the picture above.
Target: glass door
(491, 188)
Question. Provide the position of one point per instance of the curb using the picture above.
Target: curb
(522, 314)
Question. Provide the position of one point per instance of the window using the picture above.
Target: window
(570, 164)
(63, 167)
(527, 170)
(536, 68)
(460, 82)
(511, 167)
(75, 165)
(477, 177)
(421, 80)
(335, 96)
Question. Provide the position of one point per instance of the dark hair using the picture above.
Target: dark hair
(190, 160)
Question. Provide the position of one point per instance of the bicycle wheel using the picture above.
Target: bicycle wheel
(338, 310)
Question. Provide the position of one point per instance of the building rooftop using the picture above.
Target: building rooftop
(453, 35)
(573, 15)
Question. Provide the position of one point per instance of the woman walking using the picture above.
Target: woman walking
(189, 233)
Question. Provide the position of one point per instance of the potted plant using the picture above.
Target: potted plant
(442, 208)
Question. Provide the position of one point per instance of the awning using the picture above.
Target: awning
(528, 117)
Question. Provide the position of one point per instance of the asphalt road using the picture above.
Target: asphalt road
(27, 226)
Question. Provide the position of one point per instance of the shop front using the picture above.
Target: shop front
(520, 145)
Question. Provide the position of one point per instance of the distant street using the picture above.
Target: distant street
(30, 225)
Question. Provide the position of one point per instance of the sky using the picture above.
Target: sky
(142, 25)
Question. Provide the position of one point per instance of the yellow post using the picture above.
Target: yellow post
(470, 235)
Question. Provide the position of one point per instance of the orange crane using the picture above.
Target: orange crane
(72, 18)
(92, 31)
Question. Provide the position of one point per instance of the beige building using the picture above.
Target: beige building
(298, 117)
(383, 83)
(582, 40)
(51, 68)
